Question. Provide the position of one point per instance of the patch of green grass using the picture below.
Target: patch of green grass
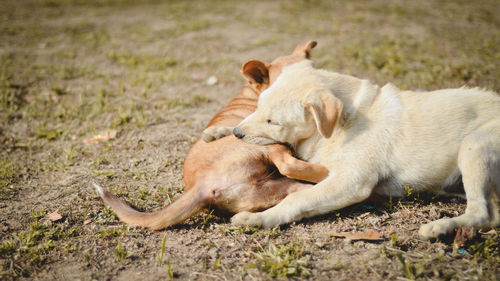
(143, 193)
(288, 260)
(487, 250)
(138, 175)
(170, 272)
(100, 160)
(106, 216)
(106, 174)
(299, 6)
(87, 33)
(38, 213)
(112, 232)
(67, 73)
(66, 53)
(96, 3)
(61, 72)
(70, 155)
(188, 26)
(24, 33)
(31, 248)
(264, 42)
(205, 219)
(182, 26)
(413, 63)
(132, 113)
(48, 134)
(146, 62)
(159, 257)
(160, 254)
(414, 265)
(59, 91)
(121, 252)
(440, 261)
(171, 103)
(217, 263)
(8, 175)
(395, 10)
(11, 93)
(410, 270)
(199, 99)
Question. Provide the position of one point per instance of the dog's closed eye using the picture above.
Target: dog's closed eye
(271, 122)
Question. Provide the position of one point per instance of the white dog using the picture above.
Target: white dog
(379, 140)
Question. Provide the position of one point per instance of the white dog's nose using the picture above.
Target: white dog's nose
(237, 132)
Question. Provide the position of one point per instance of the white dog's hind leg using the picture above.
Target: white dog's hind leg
(495, 210)
(479, 163)
(331, 194)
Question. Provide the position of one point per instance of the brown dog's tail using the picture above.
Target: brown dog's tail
(184, 207)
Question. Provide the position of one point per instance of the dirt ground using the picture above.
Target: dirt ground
(73, 69)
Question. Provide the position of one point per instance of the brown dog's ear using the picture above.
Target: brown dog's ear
(304, 49)
(325, 108)
(256, 73)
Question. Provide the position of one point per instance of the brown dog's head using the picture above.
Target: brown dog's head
(260, 75)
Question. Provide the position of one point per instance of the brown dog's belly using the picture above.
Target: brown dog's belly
(233, 176)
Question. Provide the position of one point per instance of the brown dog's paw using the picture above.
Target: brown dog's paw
(215, 133)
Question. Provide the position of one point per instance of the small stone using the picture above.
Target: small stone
(212, 80)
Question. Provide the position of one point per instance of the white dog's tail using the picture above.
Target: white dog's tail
(184, 207)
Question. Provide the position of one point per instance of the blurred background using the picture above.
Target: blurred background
(52, 52)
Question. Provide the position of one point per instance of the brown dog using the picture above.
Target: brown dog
(230, 175)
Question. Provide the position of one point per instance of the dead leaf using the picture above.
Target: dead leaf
(464, 234)
(369, 235)
(111, 134)
(87, 221)
(54, 216)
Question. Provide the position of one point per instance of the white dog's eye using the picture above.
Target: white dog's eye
(273, 123)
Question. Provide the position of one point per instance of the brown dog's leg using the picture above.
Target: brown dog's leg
(294, 168)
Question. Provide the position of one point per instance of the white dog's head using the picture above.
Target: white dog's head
(294, 108)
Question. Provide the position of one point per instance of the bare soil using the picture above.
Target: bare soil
(72, 69)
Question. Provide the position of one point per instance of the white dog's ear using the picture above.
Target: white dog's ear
(325, 108)
(304, 49)
(256, 72)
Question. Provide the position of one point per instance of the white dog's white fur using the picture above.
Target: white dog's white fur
(379, 140)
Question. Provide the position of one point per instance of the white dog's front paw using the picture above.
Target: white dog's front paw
(437, 228)
(255, 219)
(247, 218)
(214, 133)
